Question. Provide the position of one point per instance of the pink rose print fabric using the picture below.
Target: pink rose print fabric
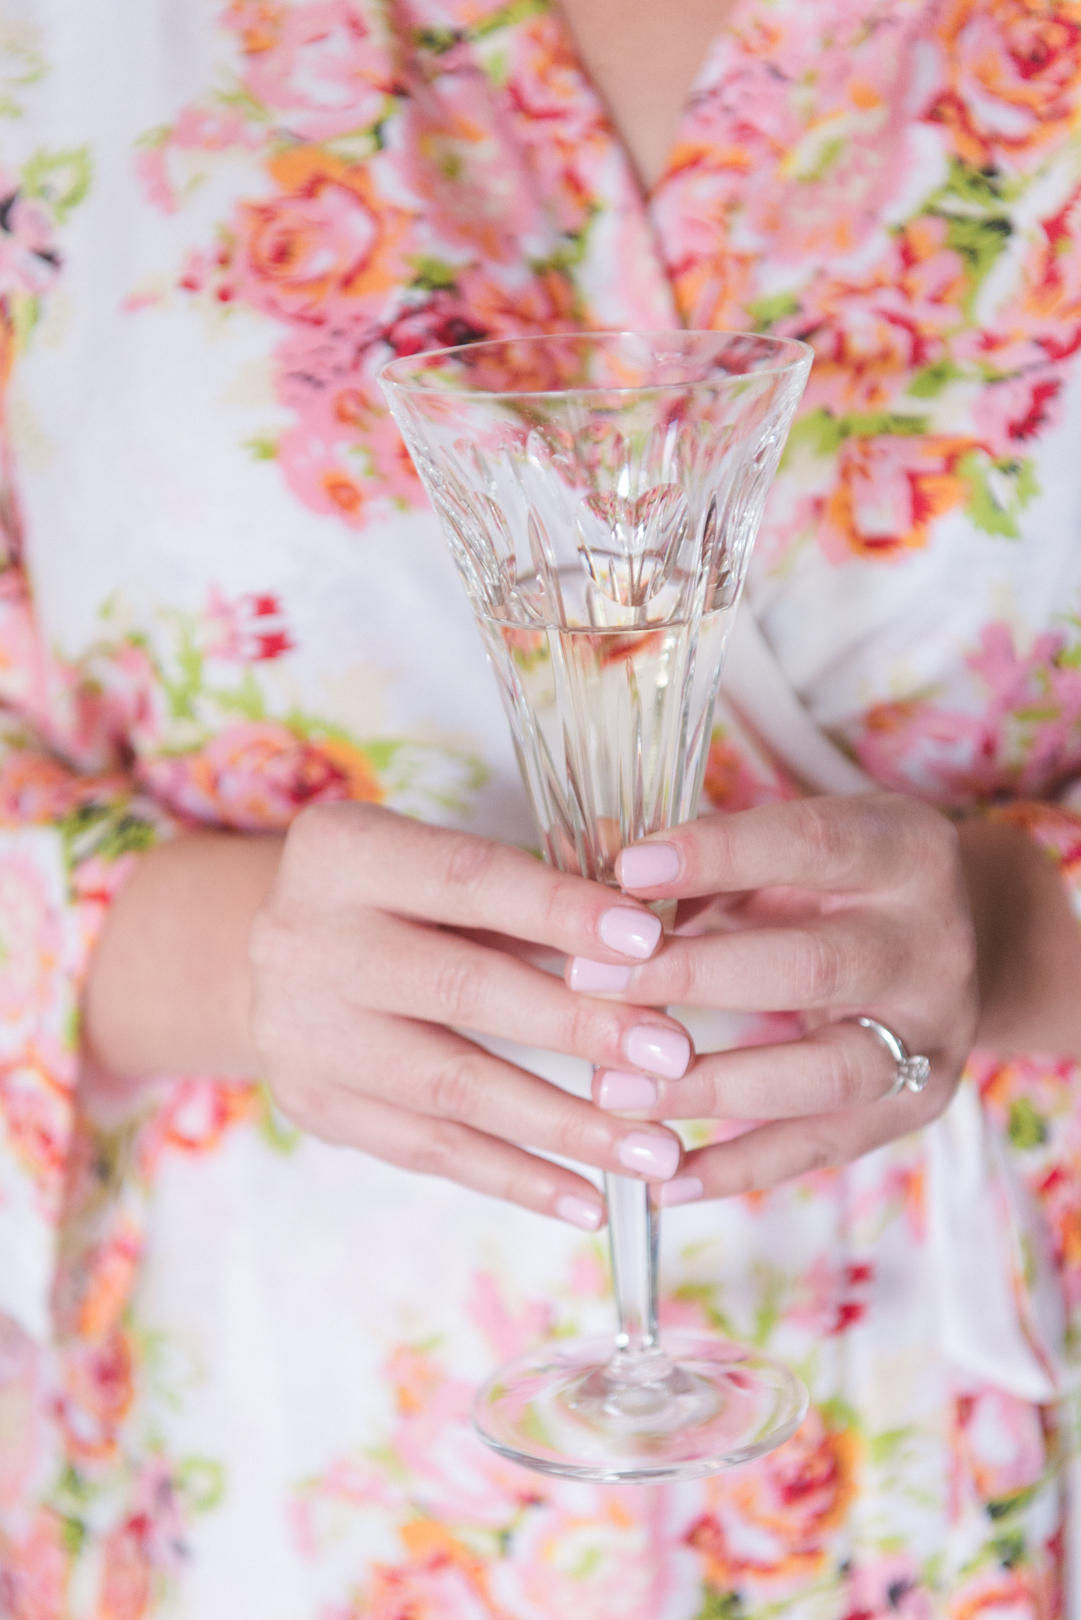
(236, 1364)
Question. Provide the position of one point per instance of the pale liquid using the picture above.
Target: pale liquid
(611, 727)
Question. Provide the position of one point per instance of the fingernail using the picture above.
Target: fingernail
(682, 1190)
(646, 866)
(618, 1090)
(662, 1051)
(632, 933)
(587, 975)
(653, 1156)
(579, 1211)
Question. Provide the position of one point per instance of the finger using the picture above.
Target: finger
(420, 972)
(784, 1149)
(837, 1067)
(425, 1070)
(458, 1153)
(849, 958)
(410, 867)
(850, 843)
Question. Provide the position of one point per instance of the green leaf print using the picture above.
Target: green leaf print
(261, 448)
(432, 274)
(976, 190)
(976, 205)
(21, 65)
(1009, 1549)
(999, 491)
(1010, 1504)
(508, 16)
(273, 1126)
(202, 1481)
(61, 180)
(702, 1295)
(766, 312)
(721, 1606)
(438, 41)
(929, 383)
(1027, 1129)
(979, 242)
(105, 830)
(823, 433)
(74, 1533)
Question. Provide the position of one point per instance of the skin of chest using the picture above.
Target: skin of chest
(643, 59)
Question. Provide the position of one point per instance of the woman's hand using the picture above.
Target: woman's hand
(832, 907)
(380, 934)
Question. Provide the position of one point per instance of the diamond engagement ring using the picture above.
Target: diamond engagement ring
(913, 1072)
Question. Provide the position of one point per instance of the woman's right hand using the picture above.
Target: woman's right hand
(383, 936)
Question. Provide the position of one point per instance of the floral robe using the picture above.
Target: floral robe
(236, 1364)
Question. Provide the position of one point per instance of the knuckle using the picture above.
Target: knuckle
(562, 912)
(843, 1078)
(469, 863)
(577, 1137)
(589, 1028)
(312, 829)
(679, 972)
(818, 1151)
(455, 1089)
(437, 1152)
(459, 988)
(820, 968)
(826, 837)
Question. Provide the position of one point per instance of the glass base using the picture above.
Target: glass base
(584, 1410)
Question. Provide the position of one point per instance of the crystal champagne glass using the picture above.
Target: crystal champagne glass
(600, 493)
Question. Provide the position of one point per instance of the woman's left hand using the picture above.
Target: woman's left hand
(831, 907)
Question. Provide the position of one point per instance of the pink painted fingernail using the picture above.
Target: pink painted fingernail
(647, 866)
(579, 1211)
(654, 1156)
(660, 1051)
(632, 933)
(597, 977)
(681, 1190)
(617, 1090)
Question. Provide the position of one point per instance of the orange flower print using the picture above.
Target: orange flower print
(1033, 334)
(317, 64)
(870, 337)
(999, 1594)
(328, 236)
(740, 778)
(30, 946)
(144, 1550)
(258, 774)
(770, 1522)
(35, 1111)
(126, 1573)
(1013, 69)
(1000, 1442)
(23, 1431)
(561, 125)
(196, 1117)
(442, 1583)
(889, 491)
(34, 1570)
(98, 1392)
(1049, 310)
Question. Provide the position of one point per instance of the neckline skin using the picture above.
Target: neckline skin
(609, 68)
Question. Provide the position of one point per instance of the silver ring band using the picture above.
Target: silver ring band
(913, 1070)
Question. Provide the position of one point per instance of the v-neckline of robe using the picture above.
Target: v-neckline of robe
(702, 78)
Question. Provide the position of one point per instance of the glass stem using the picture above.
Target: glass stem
(632, 1235)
